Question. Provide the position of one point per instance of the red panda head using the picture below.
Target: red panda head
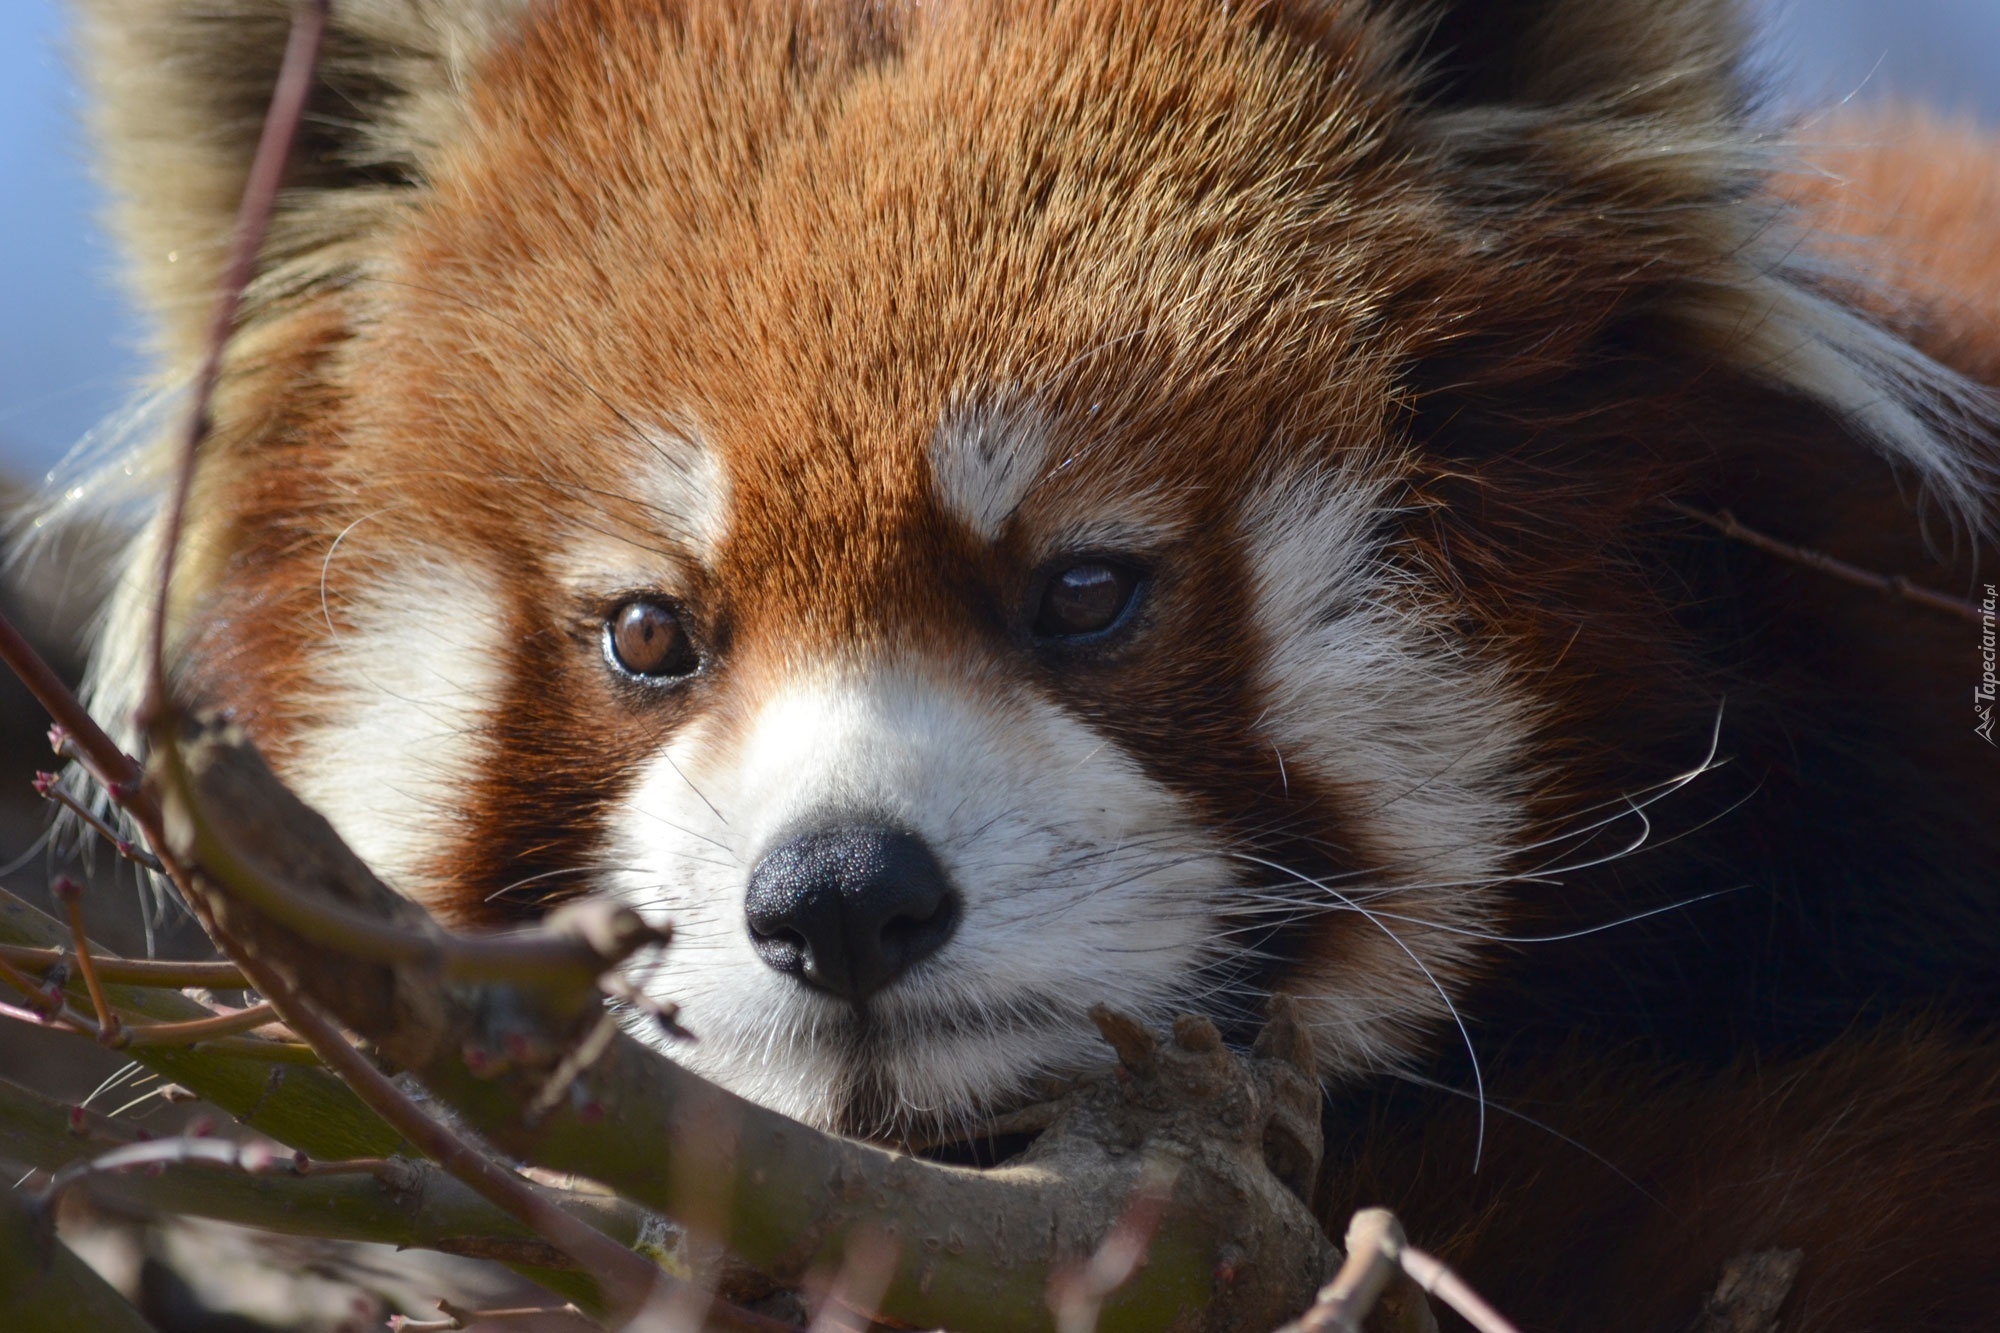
(975, 510)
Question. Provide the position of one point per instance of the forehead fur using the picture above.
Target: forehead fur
(832, 226)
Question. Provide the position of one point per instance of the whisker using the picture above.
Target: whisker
(1465, 1034)
(1432, 1084)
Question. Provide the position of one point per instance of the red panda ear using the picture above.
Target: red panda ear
(178, 91)
(1608, 148)
(1678, 60)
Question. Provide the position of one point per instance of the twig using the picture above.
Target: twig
(28, 1016)
(47, 1004)
(69, 893)
(404, 1201)
(1892, 585)
(457, 1317)
(253, 220)
(628, 1281)
(199, 1029)
(221, 975)
(117, 771)
(1430, 1273)
(250, 1159)
(65, 1019)
(1376, 1250)
(1078, 1295)
(214, 1032)
(48, 785)
(1374, 1237)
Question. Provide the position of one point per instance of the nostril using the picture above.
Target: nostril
(783, 949)
(848, 910)
(917, 930)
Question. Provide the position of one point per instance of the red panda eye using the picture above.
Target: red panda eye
(645, 638)
(1085, 599)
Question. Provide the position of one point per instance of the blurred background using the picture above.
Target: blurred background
(67, 359)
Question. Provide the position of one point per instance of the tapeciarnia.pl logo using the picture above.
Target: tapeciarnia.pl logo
(1982, 693)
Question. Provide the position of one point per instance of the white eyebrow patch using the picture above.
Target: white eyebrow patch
(984, 461)
(684, 489)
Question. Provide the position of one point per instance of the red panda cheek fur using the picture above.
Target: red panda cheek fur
(1400, 346)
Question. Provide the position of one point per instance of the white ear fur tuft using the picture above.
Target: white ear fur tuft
(1780, 325)
(178, 92)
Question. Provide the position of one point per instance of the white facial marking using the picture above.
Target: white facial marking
(1427, 741)
(686, 492)
(684, 497)
(408, 682)
(1081, 881)
(984, 461)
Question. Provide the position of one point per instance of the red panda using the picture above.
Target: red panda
(977, 509)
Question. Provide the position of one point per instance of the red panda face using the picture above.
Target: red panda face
(934, 505)
(901, 546)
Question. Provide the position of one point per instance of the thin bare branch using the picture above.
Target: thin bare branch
(253, 220)
(401, 1201)
(302, 1106)
(63, 1018)
(47, 1005)
(49, 786)
(1892, 585)
(96, 751)
(1430, 1273)
(251, 1159)
(458, 1317)
(199, 1029)
(1376, 1252)
(219, 975)
(69, 892)
(1374, 1238)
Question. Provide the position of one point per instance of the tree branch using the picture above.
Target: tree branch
(1891, 585)
(219, 975)
(253, 219)
(779, 1195)
(46, 1289)
(406, 1202)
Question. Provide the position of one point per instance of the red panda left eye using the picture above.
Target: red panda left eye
(1085, 599)
(645, 638)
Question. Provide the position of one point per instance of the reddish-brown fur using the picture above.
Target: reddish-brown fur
(1875, 1158)
(1912, 198)
(811, 231)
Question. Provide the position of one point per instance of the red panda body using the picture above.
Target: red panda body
(976, 510)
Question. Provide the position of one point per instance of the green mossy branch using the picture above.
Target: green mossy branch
(301, 1106)
(409, 1203)
(46, 1289)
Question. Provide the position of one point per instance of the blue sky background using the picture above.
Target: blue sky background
(66, 336)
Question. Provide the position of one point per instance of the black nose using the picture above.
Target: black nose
(848, 909)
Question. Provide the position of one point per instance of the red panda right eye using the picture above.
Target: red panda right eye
(646, 638)
(1085, 599)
